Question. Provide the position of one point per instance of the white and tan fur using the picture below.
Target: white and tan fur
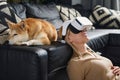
(59, 32)
(32, 31)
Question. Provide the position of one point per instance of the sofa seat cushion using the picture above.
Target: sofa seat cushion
(48, 12)
(105, 18)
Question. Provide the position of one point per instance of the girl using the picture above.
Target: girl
(85, 64)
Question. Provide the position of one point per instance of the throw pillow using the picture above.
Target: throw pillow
(47, 12)
(6, 13)
(19, 9)
(105, 18)
(67, 13)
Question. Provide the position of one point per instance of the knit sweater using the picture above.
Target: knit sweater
(90, 67)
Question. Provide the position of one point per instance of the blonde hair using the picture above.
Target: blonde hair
(70, 43)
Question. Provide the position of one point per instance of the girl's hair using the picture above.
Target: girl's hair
(67, 40)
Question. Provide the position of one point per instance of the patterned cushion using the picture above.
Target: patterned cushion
(67, 13)
(102, 16)
(6, 13)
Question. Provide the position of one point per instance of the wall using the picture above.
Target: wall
(3, 0)
(112, 4)
(76, 2)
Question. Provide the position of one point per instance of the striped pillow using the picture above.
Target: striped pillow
(6, 12)
(105, 18)
(67, 13)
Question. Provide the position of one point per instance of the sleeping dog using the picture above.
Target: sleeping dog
(31, 31)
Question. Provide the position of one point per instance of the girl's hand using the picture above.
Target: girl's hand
(116, 70)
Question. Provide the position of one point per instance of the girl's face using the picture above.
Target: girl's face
(79, 38)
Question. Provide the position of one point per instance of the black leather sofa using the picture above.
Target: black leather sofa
(49, 62)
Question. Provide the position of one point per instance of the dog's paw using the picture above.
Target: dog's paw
(25, 43)
(22, 43)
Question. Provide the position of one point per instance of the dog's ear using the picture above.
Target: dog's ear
(22, 24)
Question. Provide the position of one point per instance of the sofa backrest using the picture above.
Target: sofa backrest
(47, 12)
(112, 50)
(107, 42)
(19, 9)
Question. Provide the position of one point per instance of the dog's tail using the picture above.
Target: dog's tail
(55, 36)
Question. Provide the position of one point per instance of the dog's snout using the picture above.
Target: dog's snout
(6, 42)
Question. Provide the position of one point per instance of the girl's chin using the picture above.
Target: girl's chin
(87, 39)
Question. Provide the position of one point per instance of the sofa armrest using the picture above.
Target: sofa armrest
(23, 63)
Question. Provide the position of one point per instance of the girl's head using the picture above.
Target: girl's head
(74, 31)
(76, 39)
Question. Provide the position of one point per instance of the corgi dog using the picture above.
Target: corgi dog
(31, 31)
